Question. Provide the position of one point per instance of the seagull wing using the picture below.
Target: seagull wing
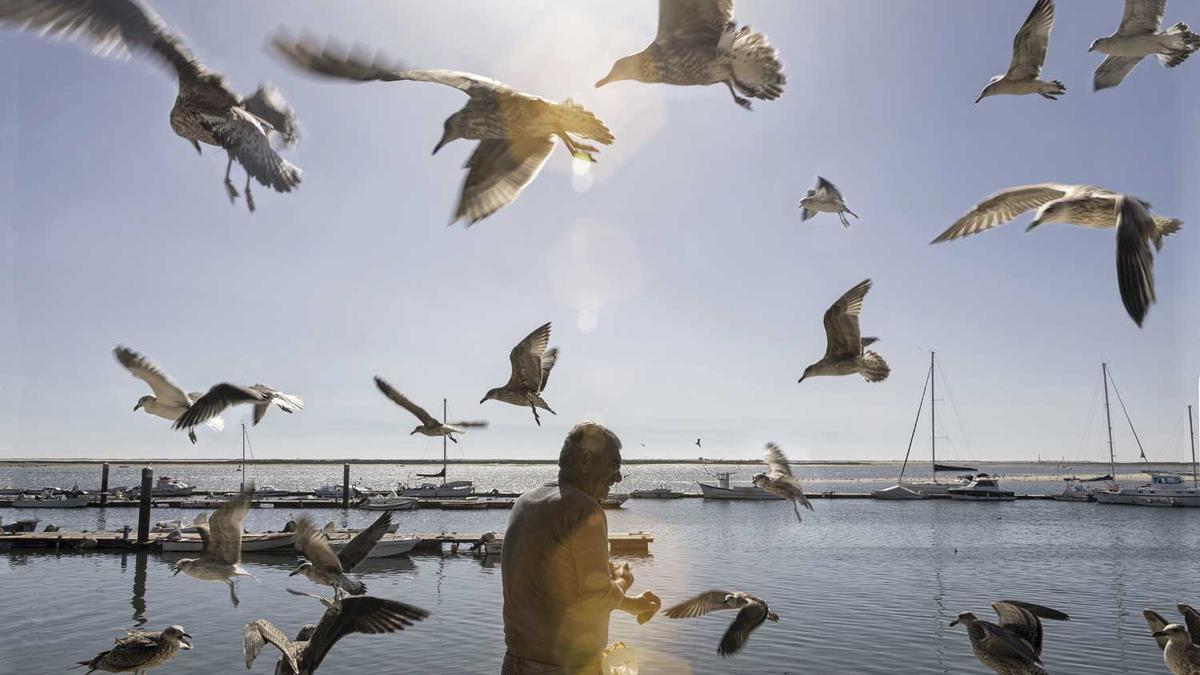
(333, 60)
(841, 323)
(360, 546)
(693, 20)
(268, 105)
(826, 190)
(1135, 262)
(244, 137)
(286, 402)
(164, 388)
(312, 543)
(402, 401)
(225, 530)
(526, 359)
(1142, 16)
(1021, 619)
(709, 601)
(1112, 71)
(1191, 619)
(361, 614)
(220, 397)
(497, 172)
(748, 618)
(1029, 46)
(549, 358)
(1156, 623)
(113, 27)
(258, 633)
(776, 461)
(1003, 207)
(1001, 642)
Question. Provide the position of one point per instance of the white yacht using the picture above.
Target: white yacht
(1164, 489)
(389, 502)
(167, 487)
(983, 488)
(724, 489)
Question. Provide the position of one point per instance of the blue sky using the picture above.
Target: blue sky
(686, 294)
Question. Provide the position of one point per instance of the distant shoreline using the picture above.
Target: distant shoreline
(532, 462)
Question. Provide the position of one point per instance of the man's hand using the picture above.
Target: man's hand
(621, 574)
(644, 606)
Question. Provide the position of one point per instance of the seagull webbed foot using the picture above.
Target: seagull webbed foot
(192, 436)
(535, 416)
(231, 191)
(249, 197)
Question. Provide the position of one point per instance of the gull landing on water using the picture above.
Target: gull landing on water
(1138, 37)
(699, 43)
(531, 363)
(779, 480)
(752, 612)
(429, 426)
(1028, 57)
(169, 401)
(844, 353)
(516, 131)
(825, 198)
(1015, 644)
(1088, 206)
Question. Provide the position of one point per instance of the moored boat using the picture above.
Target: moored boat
(724, 489)
(388, 546)
(1164, 489)
(614, 500)
(1078, 490)
(451, 489)
(657, 493)
(389, 502)
(266, 541)
(983, 488)
(167, 487)
(50, 501)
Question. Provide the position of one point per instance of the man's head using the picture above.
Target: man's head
(590, 459)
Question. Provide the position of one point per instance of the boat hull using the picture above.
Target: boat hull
(965, 495)
(456, 488)
(897, 492)
(251, 543)
(656, 494)
(1149, 499)
(744, 493)
(68, 503)
(391, 504)
(390, 545)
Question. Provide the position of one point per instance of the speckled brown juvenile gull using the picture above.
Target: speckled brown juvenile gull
(531, 363)
(206, 110)
(752, 612)
(1014, 646)
(221, 554)
(825, 198)
(1028, 57)
(779, 480)
(699, 43)
(323, 566)
(139, 651)
(516, 131)
(844, 344)
(430, 425)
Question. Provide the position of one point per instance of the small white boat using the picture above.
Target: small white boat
(167, 487)
(390, 545)
(983, 489)
(898, 492)
(266, 541)
(614, 500)
(49, 501)
(1078, 490)
(389, 502)
(657, 493)
(269, 491)
(335, 492)
(726, 490)
(451, 489)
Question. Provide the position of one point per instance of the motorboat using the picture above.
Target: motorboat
(983, 488)
(335, 492)
(267, 491)
(657, 493)
(451, 489)
(389, 502)
(266, 541)
(47, 500)
(1078, 490)
(389, 545)
(724, 489)
(614, 500)
(1164, 489)
(166, 487)
(18, 526)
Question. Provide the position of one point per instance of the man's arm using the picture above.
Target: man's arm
(589, 544)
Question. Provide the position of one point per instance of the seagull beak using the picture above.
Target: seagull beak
(412, 432)
(439, 145)
(185, 642)
(175, 571)
(295, 572)
(979, 99)
(954, 623)
(1161, 633)
(139, 405)
(801, 379)
(1032, 225)
(482, 400)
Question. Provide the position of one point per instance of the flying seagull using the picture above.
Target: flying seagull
(844, 351)
(1015, 644)
(779, 480)
(169, 401)
(206, 110)
(752, 612)
(516, 131)
(1181, 653)
(1088, 206)
(138, 651)
(223, 395)
(699, 43)
(1191, 621)
(429, 426)
(531, 364)
(825, 198)
(342, 617)
(1028, 57)
(323, 566)
(221, 553)
(1138, 37)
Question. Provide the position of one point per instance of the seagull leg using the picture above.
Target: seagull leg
(535, 415)
(452, 438)
(842, 215)
(575, 149)
(232, 592)
(745, 103)
(796, 508)
(192, 436)
(249, 197)
(229, 189)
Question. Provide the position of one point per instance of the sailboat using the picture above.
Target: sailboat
(259, 492)
(929, 488)
(1078, 489)
(445, 489)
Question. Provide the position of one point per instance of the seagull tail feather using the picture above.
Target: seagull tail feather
(872, 367)
(1183, 43)
(757, 71)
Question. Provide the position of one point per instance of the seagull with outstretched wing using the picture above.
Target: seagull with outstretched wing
(531, 364)
(752, 611)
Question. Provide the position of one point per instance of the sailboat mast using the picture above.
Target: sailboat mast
(445, 420)
(1112, 462)
(243, 457)
(1192, 437)
(932, 416)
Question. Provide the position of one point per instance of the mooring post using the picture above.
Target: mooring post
(104, 484)
(144, 507)
(345, 486)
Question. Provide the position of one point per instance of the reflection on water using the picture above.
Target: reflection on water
(860, 582)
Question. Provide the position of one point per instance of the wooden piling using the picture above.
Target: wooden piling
(345, 486)
(104, 484)
(144, 506)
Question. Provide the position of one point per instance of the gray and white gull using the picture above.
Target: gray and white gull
(699, 43)
(323, 566)
(206, 110)
(1014, 645)
(516, 131)
(1087, 206)
(430, 425)
(1028, 57)
(531, 363)
(169, 401)
(221, 553)
(845, 352)
(779, 480)
(1137, 37)
(221, 396)
(825, 198)
(752, 611)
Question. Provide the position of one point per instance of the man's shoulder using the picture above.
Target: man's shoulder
(559, 496)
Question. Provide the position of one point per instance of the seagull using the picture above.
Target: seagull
(1014, 647)
(531, 364)
(779, 480)
(1138, 37)
(1028, 57)
(206, 110)
(140, 651)
(825, 198)
(516, 131)
(1170, 638)
(342, 617)
(1088, 206)
(223, 395)
(699, 43)
(429, 426)
(752, 612)
(697, 442)
(169, 402)
(325, 567)
(221, 553)
(844, 353)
